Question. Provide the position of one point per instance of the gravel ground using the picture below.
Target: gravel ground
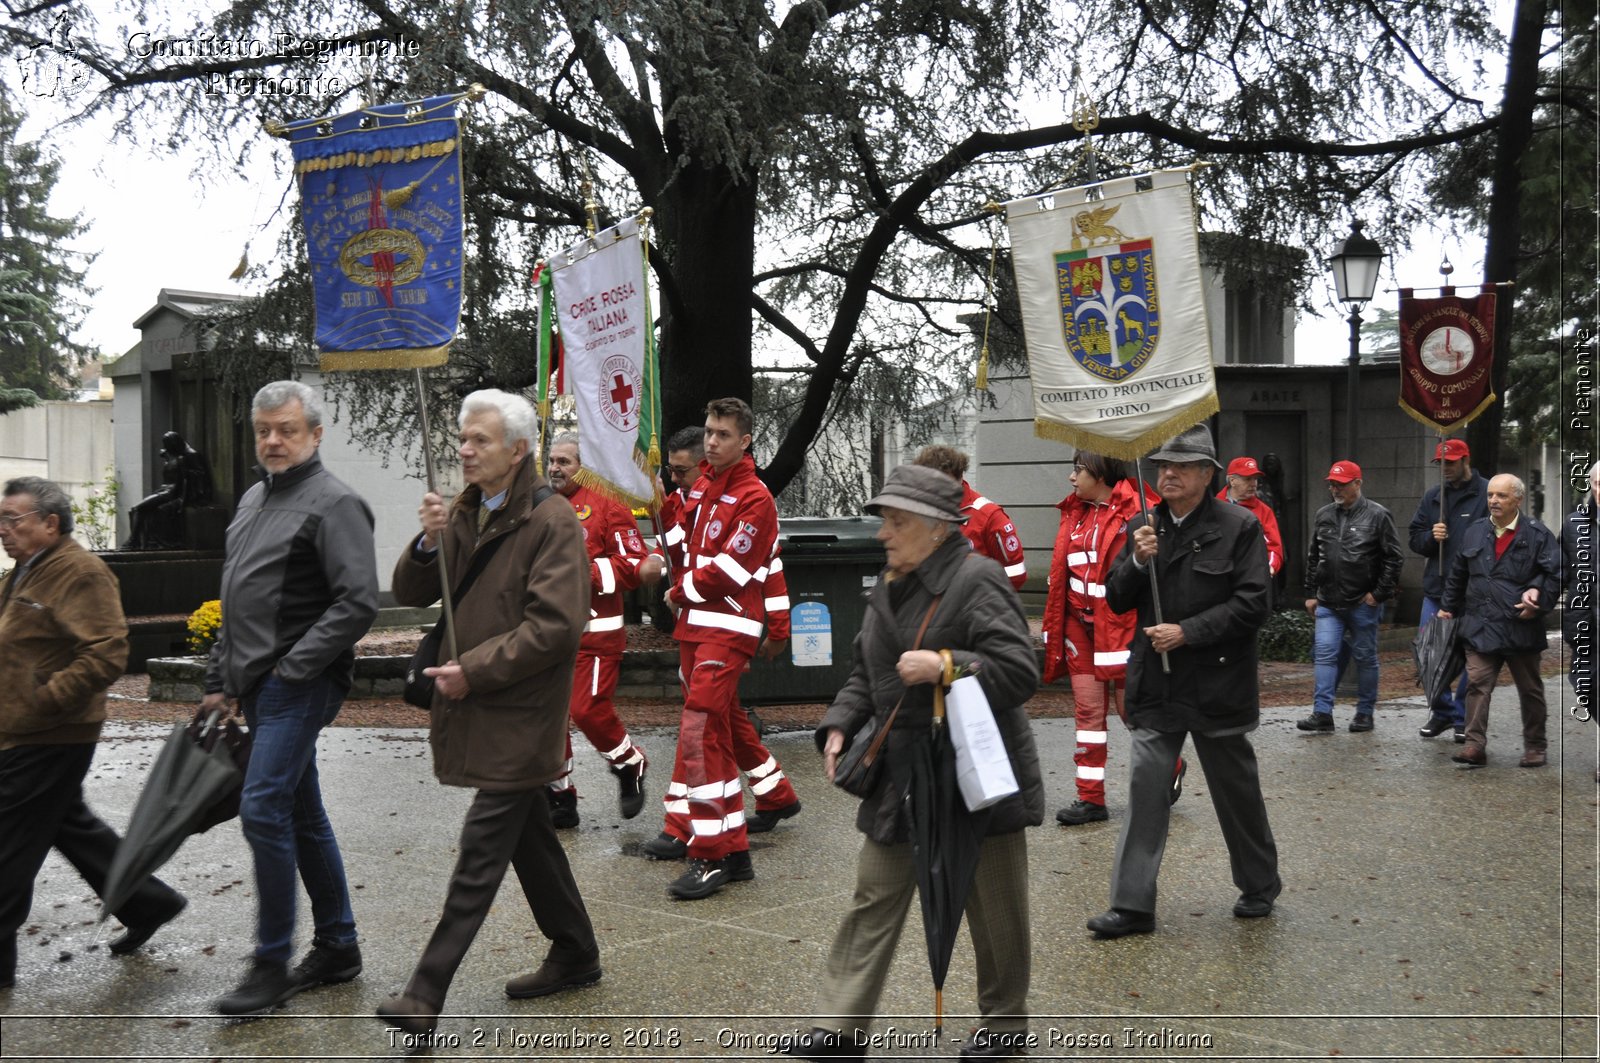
(1282, 684)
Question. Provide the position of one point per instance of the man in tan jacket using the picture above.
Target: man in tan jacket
(65, 641)
(499, 717)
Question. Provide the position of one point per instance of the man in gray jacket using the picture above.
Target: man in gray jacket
(299, 589)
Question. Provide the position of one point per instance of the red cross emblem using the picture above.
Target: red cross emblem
(621, 392)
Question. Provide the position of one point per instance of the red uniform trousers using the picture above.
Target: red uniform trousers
(704, 795)
(594, 684)
(770, 785)
(1090, 705)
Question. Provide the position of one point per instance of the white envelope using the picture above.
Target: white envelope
(983, 771)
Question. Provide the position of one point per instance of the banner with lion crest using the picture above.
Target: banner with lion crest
(1113, 312)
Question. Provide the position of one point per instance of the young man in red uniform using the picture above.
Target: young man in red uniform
(616, 552)
(1242, 490)
(988, 528)
(1082, 638)
(719, 597)
(775, 796)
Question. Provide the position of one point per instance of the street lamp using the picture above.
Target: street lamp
(1355, 265)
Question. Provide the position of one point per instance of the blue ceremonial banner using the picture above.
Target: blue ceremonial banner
(381, 202)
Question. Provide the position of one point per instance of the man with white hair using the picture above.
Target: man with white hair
(1504, 578)
(299, 589)
(498, 723)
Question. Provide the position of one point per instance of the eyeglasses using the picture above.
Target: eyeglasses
(10, 519)
(678, 470)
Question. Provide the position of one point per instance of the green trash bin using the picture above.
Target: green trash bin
(831, 565)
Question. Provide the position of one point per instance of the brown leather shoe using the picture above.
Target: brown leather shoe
(1472, 755)
(1532, 758)
(409, 1015)
(553, 977)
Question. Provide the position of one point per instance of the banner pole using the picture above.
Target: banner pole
(1155, 586)
(433, 486)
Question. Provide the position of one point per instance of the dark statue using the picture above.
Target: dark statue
(158, 520)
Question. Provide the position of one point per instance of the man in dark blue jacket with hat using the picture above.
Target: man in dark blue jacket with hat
(1504, 578)
(1436, 535)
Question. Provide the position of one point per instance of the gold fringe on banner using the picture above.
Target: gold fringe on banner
(397, 358)
(1459, 425)
(587, 477)
(381, 157)
(1131, 449)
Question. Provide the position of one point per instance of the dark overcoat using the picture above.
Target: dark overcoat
(981, 622)
(1483, 590)
(1213, 576)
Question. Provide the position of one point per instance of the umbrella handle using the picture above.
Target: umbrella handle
(211, 723)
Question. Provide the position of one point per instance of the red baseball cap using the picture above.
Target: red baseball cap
(1243, 467)
(1452, 450)
(1344, 471)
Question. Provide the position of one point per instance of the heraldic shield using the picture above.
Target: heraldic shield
(1110, 314)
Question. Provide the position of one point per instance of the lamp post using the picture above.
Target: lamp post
(1355, 265)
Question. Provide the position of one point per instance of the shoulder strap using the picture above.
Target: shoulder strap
(481, 559)
(883, 732)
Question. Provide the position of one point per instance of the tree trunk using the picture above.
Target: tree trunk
(1503, 246)
(708, 223)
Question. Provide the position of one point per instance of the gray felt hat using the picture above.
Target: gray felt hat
(1192, 444)
(919, 489)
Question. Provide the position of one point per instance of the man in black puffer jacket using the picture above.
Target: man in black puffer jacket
(1506, 576)
(1352, 567)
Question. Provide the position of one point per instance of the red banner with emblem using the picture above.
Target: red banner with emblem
(1446, 357)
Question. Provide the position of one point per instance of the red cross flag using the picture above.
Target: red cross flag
(604, 312)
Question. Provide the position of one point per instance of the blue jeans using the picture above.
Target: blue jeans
(1362, 621)
(1452, 704)
(283, 819)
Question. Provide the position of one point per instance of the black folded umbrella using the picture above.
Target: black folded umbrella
(193, 774)
(945, 840)
(1440, 657)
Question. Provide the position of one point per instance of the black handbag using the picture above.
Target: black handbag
(859, 765)
(419, 685)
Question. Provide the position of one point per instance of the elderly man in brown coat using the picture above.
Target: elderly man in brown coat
(499, 715)
(63, 641)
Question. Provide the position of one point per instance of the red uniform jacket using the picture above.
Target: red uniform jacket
(1269, 527)
(1078, 574)
(732, 530)
(611, 536)
(992, 534)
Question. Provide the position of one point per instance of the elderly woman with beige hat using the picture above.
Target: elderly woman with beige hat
(940, 610)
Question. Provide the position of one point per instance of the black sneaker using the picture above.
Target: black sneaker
(630, 788)
(762, 821)
(563, 808)
(1316, 722)
(701, 879)
(1360, 722)
(1080, 812)
(738, 866)
(328, 964)
(665, 847)
(266, 985)
(1436, 726)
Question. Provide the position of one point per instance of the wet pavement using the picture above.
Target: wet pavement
(1429, 912)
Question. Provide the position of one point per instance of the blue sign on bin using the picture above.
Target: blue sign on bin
(811, 635)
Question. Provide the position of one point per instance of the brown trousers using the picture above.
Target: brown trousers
(1483, 669)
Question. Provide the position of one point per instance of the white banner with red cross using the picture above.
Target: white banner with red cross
(600, 300)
